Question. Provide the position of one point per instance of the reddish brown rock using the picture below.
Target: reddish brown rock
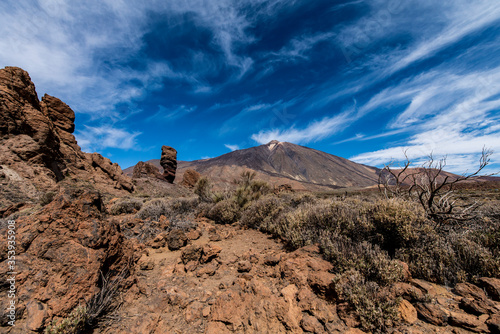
(190, 178)
(176, 239)
(145, 169)
(492, 287)
(432, 314)
(37, 147)
(169, 163)
(494, 323)
(210, 252)
(61, 256)
(191, 253)
(468, 322)
(469, 290)
(311, 324)
(407, 312)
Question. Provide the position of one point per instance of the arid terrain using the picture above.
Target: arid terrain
(277, 238)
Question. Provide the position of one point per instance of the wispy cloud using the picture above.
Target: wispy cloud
(452, 114)
(314, 131)
(298, 48)
(232, 147)
(171, 114)
(97, 138)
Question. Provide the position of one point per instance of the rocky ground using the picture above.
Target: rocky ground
(233, 280)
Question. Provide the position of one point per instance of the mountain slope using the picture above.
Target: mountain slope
(281, 162)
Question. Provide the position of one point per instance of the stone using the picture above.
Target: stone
(494, 323)
(477, 307)
(216, 327)
(207, 269)
(321, 282)
(191, 253)
(311, 324)
(272, 259)
(244, 266)
(37, 314)
(432, 314)
(66, 254)
(145, 169)
(407, 312)
(194, 234)
(469, 290)
(38, 146)
(169, 163)
(176, 239)
(468, 322)
(190, 178)
(407, 291)
(146, 264)
(492, 287)
(210, 252)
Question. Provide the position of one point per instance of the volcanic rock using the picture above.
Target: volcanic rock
(145, 169)
(190, 178)
(169, 163)
(61, 253)
(37, 147)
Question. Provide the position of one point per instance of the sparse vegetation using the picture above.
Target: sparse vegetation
(47, 197)
(172, 209)
(125, 206)
(86, 316)
(367, 237)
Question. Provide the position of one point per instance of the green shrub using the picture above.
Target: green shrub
(371, 261)
(225, 212)
(203, 189)
(262, 213)
(376, 310)
(396, 221)
(125, 206)
(153, 209)
(74, 323)
(179, 208)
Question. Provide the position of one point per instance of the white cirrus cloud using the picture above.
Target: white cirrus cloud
(97, 138)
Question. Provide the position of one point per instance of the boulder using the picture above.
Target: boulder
(169, 163)
(37, 147)
(492, 287)
(190, 178)
(145, 169)
(176, 239)
(61, 253)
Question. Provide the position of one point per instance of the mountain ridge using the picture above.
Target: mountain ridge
(282, 162)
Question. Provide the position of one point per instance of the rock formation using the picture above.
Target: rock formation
(190, 178)
(60, 254)
(145, 169)
(37, 145)
(169, 163)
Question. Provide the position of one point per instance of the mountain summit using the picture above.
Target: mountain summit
(282, 162)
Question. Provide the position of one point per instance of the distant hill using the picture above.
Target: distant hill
(279, 163)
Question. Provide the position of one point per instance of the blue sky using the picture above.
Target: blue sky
(364, 80)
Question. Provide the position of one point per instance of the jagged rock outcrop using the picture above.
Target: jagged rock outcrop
(169, 163)
(60, 254)
(190, 178)
(37, 145)
(145, 169)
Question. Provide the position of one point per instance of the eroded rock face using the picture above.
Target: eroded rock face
(37, 145)
(190, 178)
(145, 169)
(169, 163)
(60, 254)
